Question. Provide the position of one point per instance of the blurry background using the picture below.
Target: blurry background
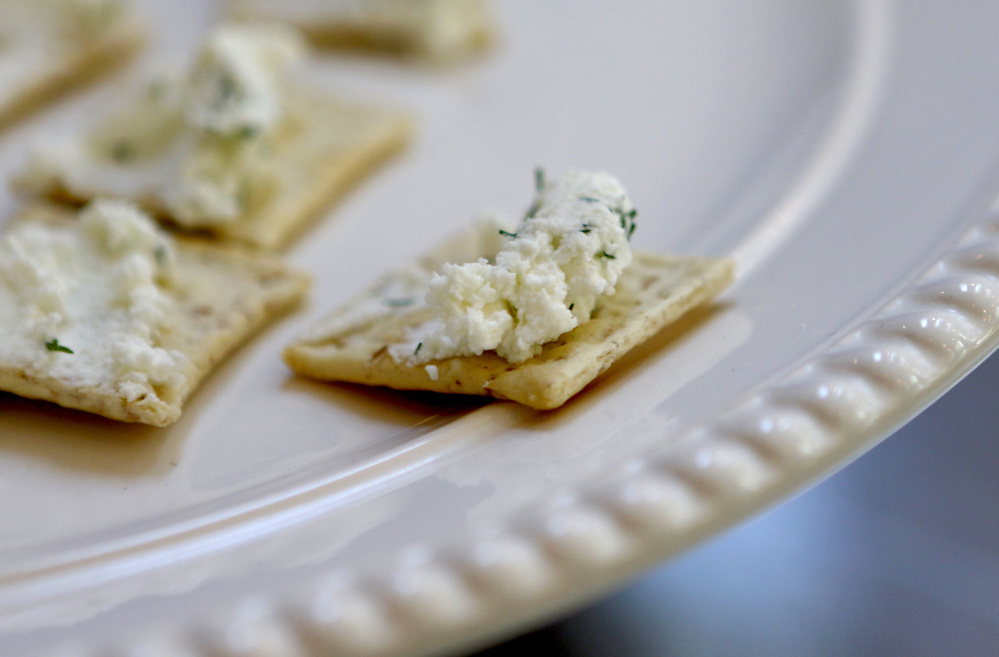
(897, 554)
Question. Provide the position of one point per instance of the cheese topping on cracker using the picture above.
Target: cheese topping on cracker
(440, 30)
(208, 131)
(234, 100)
(234, 86)
(568, 251)
(85, 301)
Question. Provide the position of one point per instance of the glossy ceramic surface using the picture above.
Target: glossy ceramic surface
(843, 152)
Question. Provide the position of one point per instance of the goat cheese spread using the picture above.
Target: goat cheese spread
(233, 102)
(234, 86)
(197, 141)
(85, 301)
(545, 280)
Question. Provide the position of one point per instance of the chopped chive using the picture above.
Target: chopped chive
(571, 306)
(227, 88)
(539, 187)
(248, 132)
(53, 345)
(586, 228)
(604, 254)
(631, 230)
(157, 89)
(507, 233)
(418, 348)
(589, 199)
(122, 151)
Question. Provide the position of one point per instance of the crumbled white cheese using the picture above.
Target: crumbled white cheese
(234, 85)
(545, 280)
(432, 372)
(96, 289)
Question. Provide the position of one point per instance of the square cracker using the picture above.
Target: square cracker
(322, 148)
(41, 62)
(439, 31)
(352, 344)
(218, 297)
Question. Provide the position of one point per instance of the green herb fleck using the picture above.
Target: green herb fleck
(53, 345)
(627, 219)
(539, 187)
(609, 256)
(248, 132)
(507, 233)
(158, 89)
(587, 228)
(418, 347)
(589, 199)
(399, 303)
(228, 89)
(571, 306)
(123, 151)
(161, 255)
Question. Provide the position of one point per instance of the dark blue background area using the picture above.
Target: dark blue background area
(897, 554)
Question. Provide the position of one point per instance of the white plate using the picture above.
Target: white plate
(844, 152)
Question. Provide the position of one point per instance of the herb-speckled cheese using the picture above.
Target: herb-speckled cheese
(234, 87)
(233, 101)
(205, 133)
(84, 301)
(569, 250)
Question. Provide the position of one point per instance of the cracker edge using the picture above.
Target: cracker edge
(338, 178)
(538, 384)
(86, 66)
(346, 36)
(242, 324)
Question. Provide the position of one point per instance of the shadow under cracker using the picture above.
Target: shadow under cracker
(405, 408)
(635, 360)
(80, 441)
(409, 408)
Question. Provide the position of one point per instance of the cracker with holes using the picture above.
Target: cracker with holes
(532, 315)
(49, 46)
(105, 312)
(439, 31)
(236, 147)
